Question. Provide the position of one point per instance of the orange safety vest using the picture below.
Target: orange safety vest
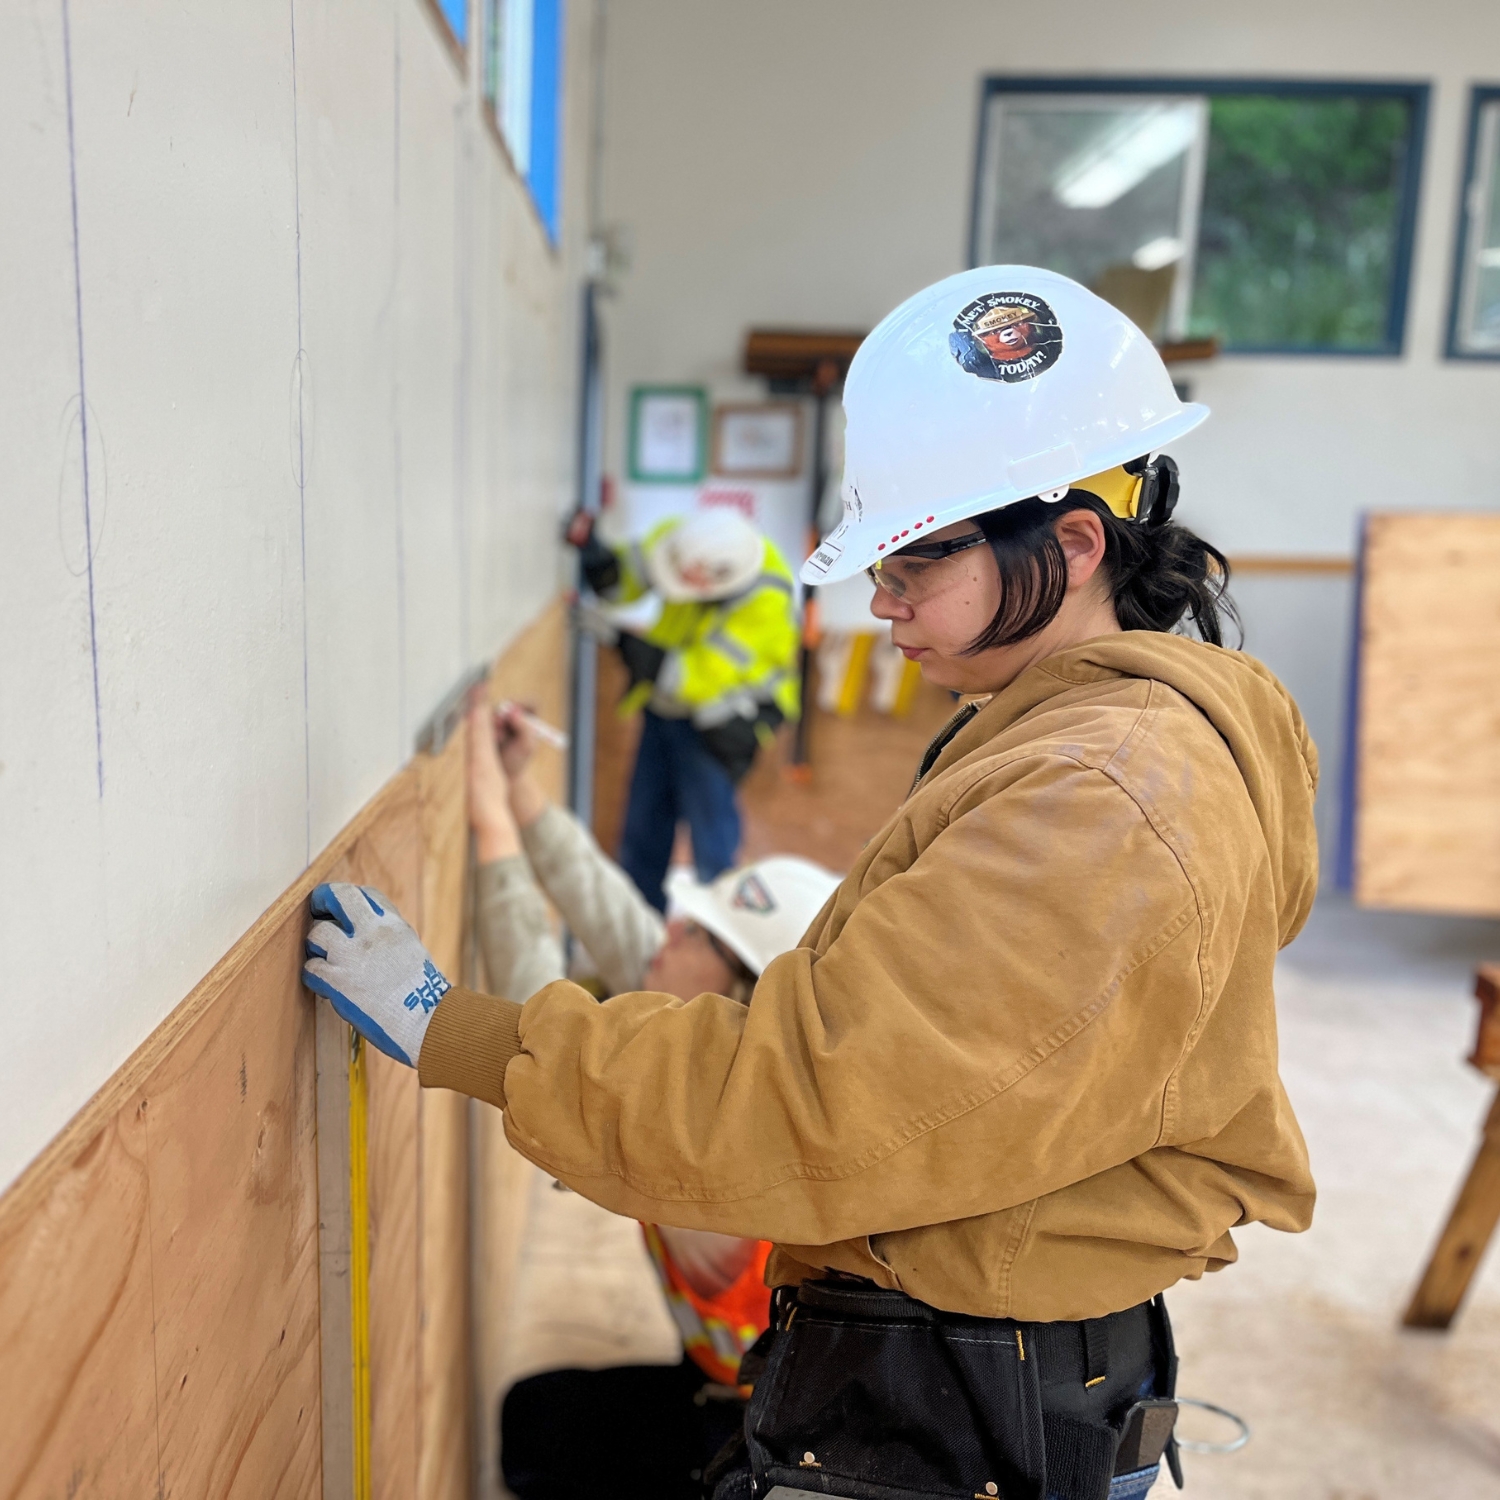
(716, 1331)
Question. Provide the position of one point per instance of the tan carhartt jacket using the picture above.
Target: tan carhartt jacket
(1025, 1064)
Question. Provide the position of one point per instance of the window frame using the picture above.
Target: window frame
(542, 107)
(458, 46)
(1480, 94)
(1416, 93)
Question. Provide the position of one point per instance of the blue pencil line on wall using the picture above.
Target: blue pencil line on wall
(300, 376)
(83, 403)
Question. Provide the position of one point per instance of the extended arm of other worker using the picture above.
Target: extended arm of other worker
(973, 1033)
(546, 845)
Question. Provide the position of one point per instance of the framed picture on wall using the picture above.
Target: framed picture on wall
(761, 441)
(668, 434)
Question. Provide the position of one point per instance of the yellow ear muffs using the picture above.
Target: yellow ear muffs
(1119, 490)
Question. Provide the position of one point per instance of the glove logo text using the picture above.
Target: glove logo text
(432, 989)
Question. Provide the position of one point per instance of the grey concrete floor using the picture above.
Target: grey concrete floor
(1301, 1337)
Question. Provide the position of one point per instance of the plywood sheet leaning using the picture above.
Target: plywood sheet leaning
(1428, 769)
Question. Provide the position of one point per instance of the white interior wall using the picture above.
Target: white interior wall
(812, 164)
(294, 558)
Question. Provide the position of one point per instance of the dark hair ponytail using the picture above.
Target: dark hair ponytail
(1159, 573)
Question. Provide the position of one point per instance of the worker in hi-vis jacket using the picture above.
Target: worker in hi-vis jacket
(531, 852)
(715, 674)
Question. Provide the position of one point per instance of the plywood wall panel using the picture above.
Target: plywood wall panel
(394, 1272)
(444, 1404)
(1428, 779)
(534, 670)
(615, 742)
(159, 1263)
(389, 855)
(77, 1379)
(445, 1399)
(230, 1116)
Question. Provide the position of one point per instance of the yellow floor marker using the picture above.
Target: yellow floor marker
(851, 690)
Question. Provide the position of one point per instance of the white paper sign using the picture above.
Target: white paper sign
(669, 437)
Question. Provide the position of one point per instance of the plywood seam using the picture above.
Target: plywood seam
(151, 1286)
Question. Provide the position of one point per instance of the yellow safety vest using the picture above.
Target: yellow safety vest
(743, 644)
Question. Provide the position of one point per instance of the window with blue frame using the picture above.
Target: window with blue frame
(1274, 216)
(456, 14)
(523, 62)
(1474, 321)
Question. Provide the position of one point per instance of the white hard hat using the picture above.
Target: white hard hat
(990, 387)
(759, 911)
(709, 554)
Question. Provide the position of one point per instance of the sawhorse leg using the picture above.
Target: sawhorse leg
(1464, 1238)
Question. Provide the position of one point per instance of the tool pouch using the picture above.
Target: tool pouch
(1115, 1455)
(871, 1395)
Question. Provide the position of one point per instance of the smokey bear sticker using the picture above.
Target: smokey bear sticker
(1006, 336)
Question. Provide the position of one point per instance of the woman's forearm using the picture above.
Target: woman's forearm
(527, 800)
(521, 953)
(595, 898)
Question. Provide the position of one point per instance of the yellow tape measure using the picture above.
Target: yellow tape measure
(359, 1258)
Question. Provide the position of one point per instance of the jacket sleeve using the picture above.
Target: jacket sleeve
(1002, 1017)
(595, 898)
(521, 952)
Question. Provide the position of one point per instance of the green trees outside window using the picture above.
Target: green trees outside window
(1274, 217)
(1300, 221)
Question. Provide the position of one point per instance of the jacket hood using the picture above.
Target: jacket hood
(1255, 716)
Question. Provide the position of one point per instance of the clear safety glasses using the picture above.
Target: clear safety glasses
(916, 572)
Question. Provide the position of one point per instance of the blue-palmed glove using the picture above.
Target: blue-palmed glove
(363, 957)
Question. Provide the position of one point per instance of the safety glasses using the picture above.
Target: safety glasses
(909, 574)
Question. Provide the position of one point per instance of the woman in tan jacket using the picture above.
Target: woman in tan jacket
(1021, 1075)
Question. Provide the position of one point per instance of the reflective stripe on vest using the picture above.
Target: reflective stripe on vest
(716, 1331)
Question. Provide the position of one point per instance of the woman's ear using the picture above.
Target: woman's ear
(1081, 536)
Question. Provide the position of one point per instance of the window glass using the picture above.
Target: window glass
(1103, 189)
(1297, 243)
(523, 59)
(1268, 220)
(456, 14)
(1477, 324)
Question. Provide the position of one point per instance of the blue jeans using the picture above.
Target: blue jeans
(1133, 1486)
(676, 780)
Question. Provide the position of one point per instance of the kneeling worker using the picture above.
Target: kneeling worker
(716, 675)
(673, 1419)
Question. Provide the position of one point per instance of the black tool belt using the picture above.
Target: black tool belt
(871, 1395)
